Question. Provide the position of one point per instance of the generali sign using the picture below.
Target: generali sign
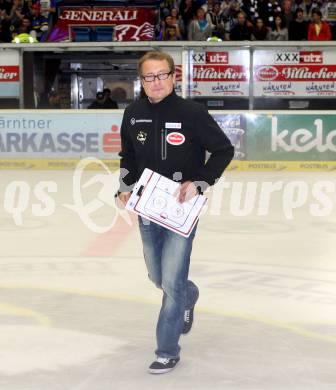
(130, 24)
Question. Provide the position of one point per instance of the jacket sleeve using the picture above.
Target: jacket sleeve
(191, 30)
(128, 171)
(328, 32)
(213, 139)
(310, 32)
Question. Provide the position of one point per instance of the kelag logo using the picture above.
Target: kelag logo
(303, 140)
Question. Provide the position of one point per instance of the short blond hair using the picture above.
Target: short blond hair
(157, 56)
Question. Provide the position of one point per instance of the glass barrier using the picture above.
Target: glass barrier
(221, 75)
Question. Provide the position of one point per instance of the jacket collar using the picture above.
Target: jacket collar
(164, 102)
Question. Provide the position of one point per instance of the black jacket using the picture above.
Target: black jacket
(240, 33)
(147, 142)
(298, 31)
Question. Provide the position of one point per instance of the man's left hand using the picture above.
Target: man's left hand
(186, 191)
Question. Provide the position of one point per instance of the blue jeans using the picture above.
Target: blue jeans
(167, 257)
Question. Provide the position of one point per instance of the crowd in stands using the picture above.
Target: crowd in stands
(197, 20)
(21, 17)
(257, 20)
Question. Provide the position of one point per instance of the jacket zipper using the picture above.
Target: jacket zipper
(163, 144)
(156, 151)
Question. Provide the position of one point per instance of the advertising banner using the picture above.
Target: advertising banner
(294, 73)
(9, 74)
(290, 137)
(262, 141)
(234, 126)
(51, 135)
(216, 73)
(40, 135)
(130, 24)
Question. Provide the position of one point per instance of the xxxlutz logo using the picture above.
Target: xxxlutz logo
(302, 140)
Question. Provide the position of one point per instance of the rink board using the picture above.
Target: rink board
(263, 141)
(236, 165)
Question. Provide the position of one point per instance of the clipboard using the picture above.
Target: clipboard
(153, 198)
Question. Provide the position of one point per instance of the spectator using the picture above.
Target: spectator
(54, 100)
(298, 28)
(187, 12)
(23, 28)
(160, 28)
(308, 6)
(200, 28)
(103, 101)
(5, 5)
(18, 11)
(5, 20)
(330, 16)
(166, 6)
(48, 10)
(260, 31)
(230, 17)
(318, 30)
(119, 94)
(2, 35)
(208, 6)
(242, 30)
(99, 102)
(50, 101)
(169, 4)
(170, 31)
(287, 12)
(267, 10)
(199, 3)
(217, 23)
(278, 31)
(320, 4)
(109, 102)
(177, 20)
(5, 10)
(249, 10)
(225, 4)
(38, 22)
(330, 11)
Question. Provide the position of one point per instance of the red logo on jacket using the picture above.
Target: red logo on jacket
(175, 138)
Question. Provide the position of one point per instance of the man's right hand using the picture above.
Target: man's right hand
(122, 199)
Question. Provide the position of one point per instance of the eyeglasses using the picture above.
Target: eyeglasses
(160, 76)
